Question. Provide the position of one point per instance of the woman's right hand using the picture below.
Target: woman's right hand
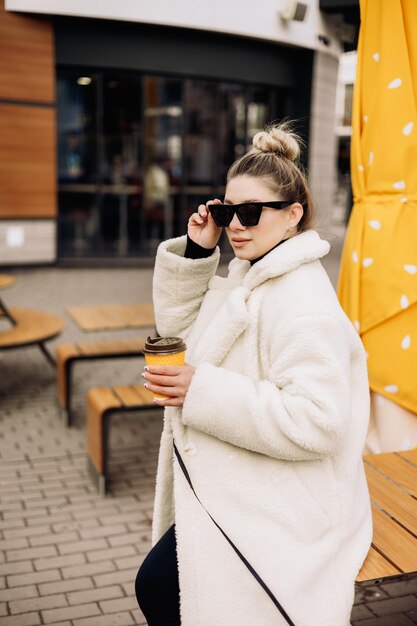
(201, 227)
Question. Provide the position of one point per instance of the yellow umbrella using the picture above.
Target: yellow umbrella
(378, 278)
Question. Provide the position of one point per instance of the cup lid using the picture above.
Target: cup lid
(164, 345)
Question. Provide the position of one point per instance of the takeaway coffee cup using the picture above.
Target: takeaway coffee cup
(164, 351)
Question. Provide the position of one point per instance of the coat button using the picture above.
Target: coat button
(190, 450)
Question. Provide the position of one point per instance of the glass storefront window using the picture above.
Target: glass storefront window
(163, 157)
(77, 96)
(231, 128)
(138, 153)
(258, 108)
(200, 132)
(77, 173)
(119, 153)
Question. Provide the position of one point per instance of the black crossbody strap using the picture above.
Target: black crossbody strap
(238, 552)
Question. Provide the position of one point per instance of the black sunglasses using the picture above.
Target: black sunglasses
(249, 213)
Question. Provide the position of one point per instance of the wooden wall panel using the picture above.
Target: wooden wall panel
(27, 63)
(27, 162)
(27, 131)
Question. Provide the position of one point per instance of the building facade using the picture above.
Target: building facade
(344, 104)
(117, 122)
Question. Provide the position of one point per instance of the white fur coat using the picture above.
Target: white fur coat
(271, 431)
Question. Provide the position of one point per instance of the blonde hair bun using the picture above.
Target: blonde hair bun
(279, 140)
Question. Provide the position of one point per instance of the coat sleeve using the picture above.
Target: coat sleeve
(179, 286)
(299, 412)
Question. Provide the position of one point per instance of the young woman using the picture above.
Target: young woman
(269, 415)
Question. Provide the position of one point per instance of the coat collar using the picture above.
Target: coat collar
(302, 248)
(231, 319)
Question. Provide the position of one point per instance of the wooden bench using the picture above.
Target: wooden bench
(113, 316)
(29, 328)
(392, 482)
(68, 354)
(102, 403)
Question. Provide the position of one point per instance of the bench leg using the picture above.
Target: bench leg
(66, 355)
(68, 381)
(97, 446)
(101, 404)
(98, 479)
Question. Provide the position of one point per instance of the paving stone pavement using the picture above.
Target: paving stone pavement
(69, 557)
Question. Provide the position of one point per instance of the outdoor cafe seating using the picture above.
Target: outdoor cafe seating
(21, 328)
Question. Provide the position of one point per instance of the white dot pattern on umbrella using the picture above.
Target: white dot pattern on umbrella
(406, 342)
(357, 325)
(404, 302)
(410, 269)
(372, 261)
(394, 84)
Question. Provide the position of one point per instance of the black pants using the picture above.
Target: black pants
(157, 586)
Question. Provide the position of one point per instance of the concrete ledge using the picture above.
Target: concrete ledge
(27, 241)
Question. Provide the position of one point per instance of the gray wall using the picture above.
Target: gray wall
(27, 241)
(322, 153)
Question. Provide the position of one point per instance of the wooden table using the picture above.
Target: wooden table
(392, 481)
(27, 327)
(6, 280)
(113, 316)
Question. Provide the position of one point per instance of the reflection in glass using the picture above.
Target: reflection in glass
(257, 115)
(163, 119)
(77, 174)
(76, 118)
(138, 153)
(120, 165)
(200, 135)
(231, 128)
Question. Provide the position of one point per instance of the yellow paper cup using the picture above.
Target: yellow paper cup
(164, 351)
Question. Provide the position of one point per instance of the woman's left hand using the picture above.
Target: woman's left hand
(169, 380)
